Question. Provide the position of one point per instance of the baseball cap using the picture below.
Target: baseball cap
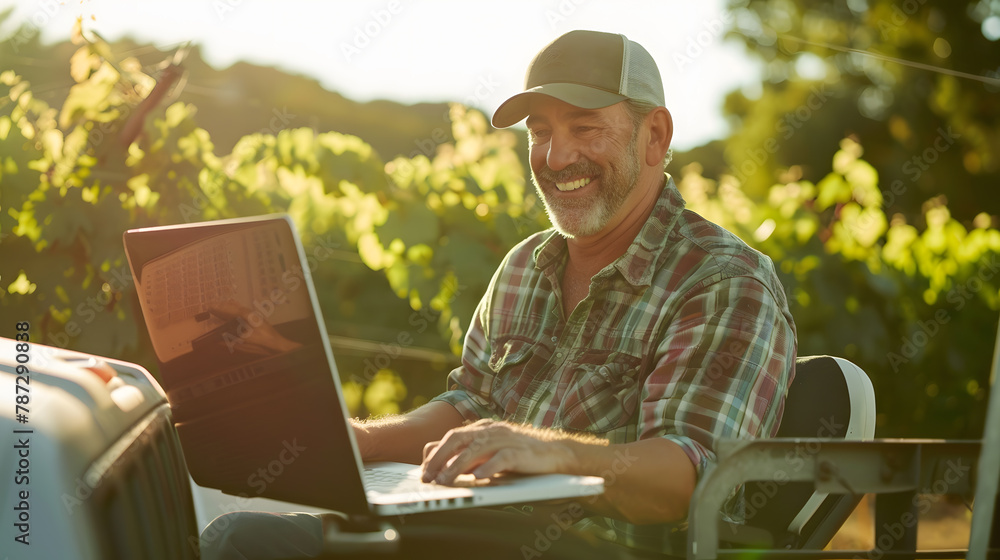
(587, 69)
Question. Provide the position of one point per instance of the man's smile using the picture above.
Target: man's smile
(574, 185)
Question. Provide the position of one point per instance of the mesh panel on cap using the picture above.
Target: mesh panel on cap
(640, 75)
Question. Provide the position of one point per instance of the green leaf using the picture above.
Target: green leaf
(82, 63)
(415, 224)
(370, 251)
(90, 98)
(832, 189)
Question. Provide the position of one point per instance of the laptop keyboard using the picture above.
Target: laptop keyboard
(394, 482)
(391, 481)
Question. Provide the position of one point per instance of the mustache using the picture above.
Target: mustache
(582, 167)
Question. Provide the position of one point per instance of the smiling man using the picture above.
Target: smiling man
(623, 342)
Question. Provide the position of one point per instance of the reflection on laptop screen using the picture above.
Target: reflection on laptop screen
(243, 360)
(222, 281)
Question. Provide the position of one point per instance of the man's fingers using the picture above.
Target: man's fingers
(437, 458)
(428, 448)
(480, 445)
(464, 462)
(461, 450)
(501, 461)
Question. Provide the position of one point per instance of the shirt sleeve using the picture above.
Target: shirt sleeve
(724, 367)
(469, 384)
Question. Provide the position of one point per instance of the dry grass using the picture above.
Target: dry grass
(945, 525)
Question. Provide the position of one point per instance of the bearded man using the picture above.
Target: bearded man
(623, 342)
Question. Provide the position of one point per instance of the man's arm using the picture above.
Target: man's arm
(635, 471)
(402, 437)
(646, 481)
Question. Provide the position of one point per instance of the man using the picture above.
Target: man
(624, 341)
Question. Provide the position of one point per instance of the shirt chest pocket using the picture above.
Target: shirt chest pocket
(515, 364)
(602, 394)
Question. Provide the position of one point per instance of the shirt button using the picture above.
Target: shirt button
(555, 339)
(559, 355)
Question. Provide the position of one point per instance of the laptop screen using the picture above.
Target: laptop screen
(244, 360)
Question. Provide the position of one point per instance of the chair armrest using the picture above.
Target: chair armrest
(834, 466)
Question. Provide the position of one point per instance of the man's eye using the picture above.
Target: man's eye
(584, 129)
(538, 134)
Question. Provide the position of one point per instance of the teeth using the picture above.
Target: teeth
(572, 186)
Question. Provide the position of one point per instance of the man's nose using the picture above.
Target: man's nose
(563, 151)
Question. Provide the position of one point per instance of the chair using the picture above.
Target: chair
(837, 472)
(829, 398)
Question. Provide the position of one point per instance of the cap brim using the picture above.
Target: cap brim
(511, 112)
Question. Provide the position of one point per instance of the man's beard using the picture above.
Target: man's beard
(583, 217)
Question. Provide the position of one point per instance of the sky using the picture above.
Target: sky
(427, 50)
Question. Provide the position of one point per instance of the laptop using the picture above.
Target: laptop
(246, 364)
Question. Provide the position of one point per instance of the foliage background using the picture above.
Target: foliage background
(870, 182)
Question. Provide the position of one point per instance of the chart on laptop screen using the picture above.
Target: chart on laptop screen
(206, 284)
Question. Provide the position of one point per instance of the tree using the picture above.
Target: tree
(403, 250)
(895, 76)
(430, 230)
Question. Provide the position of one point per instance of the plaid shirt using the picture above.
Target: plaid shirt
(686, 337)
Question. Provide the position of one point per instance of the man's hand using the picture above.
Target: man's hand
(262, 338)
(487, 447)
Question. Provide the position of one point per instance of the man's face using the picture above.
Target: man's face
(584, 163)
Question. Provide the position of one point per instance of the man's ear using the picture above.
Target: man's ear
(661, 132)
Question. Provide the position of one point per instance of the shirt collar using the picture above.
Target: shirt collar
(636, 264)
